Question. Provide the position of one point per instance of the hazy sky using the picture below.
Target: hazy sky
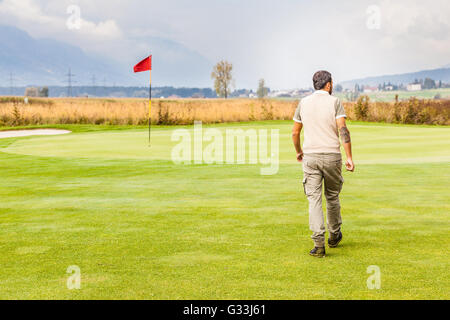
(283, 41)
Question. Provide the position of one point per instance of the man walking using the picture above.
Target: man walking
(323, 118)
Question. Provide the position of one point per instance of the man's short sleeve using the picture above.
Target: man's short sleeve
(297, 117)
(340, 112)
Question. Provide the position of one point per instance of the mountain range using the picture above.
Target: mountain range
(46, 62)
(442, 74)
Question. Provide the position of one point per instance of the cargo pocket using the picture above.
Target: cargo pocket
(342, 183)
(306, 190)
(304, 185)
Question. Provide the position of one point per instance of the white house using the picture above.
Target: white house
(368, 89)
(414, 87)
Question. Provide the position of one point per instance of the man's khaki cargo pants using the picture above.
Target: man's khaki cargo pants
(326, 167)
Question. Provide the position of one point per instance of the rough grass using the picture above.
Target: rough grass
(140, 227)
(412, 111)
(135, 111)
(39, 111)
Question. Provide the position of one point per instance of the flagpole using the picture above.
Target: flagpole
(150, 110)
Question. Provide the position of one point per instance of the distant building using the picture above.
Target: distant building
(281, 94)
(368, 89)
(295, 93)
(198, 95)
(414, 87)
(389, 88)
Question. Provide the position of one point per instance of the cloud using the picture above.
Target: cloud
(23, 10)
(28, 15)
(416, 18)
(107, 28)
(284, 41)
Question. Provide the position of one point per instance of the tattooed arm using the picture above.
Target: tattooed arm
(296, 139)
(347, 143)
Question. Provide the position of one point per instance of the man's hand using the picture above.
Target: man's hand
(300, 156)
(349, 165)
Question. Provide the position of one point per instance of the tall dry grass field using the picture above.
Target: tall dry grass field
(412, 111)
(135, 111)
(14, 112)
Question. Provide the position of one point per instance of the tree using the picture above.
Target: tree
(262, 89)
(429, 83)
(362, 108)
(31, 92)
(338, 88)
(43, 92)
(222, 78)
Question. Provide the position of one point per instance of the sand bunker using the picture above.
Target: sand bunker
(34, 132)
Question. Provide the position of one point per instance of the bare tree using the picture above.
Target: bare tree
(222, 78)
(31, 92)
(262, 91)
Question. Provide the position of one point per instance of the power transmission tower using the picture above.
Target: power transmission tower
(70, 81)
(11, 83)
(93, 84)
(105, 91)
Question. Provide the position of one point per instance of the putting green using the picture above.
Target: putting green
(140, 227)
(372, 144)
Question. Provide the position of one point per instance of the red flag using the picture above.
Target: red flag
(144, 65)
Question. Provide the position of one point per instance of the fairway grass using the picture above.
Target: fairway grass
(141, 227)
